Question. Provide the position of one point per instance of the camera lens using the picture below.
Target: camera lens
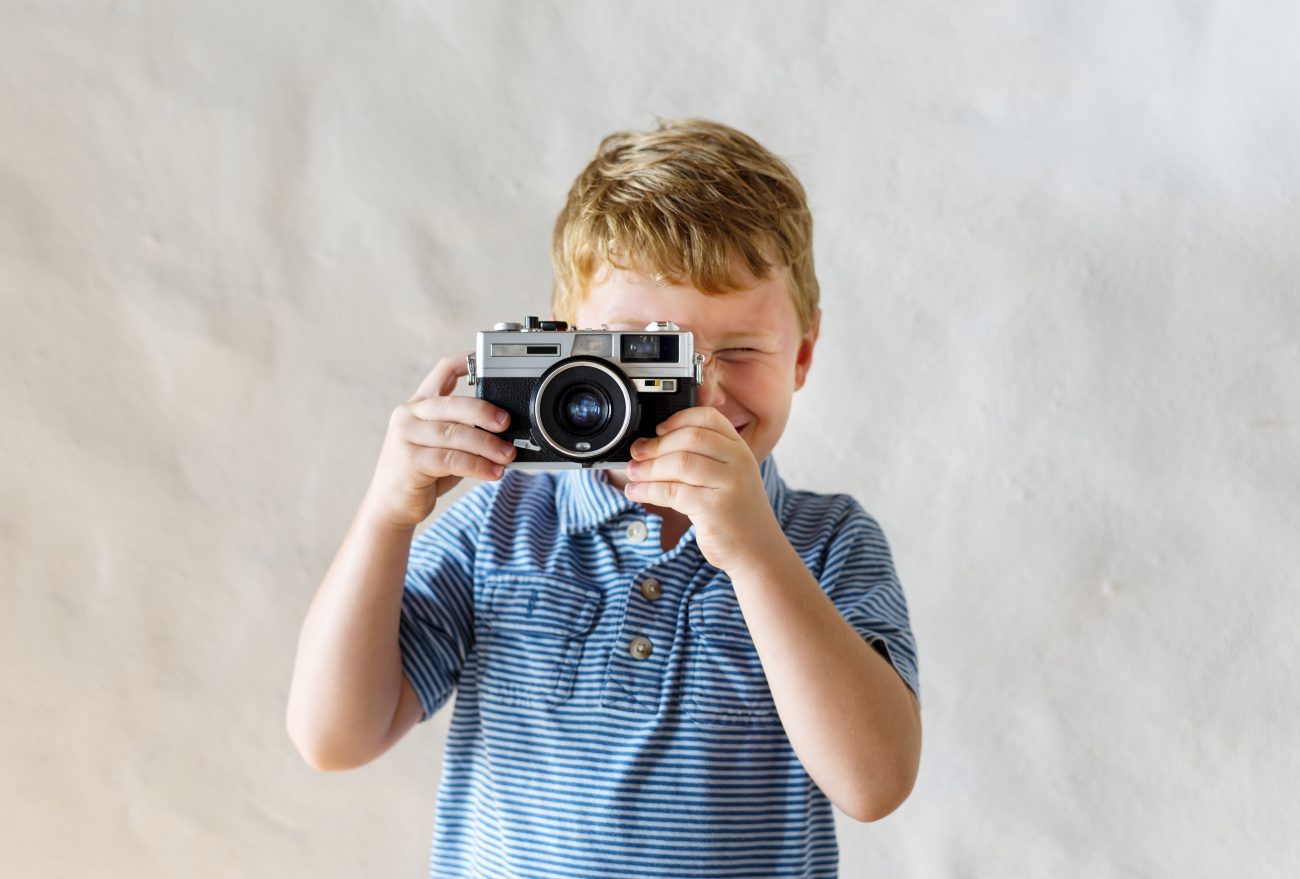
(584, 409)
(581, 408)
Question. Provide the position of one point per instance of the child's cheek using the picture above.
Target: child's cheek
(746, 382)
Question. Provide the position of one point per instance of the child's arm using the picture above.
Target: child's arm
(853, 722)
(347, 678)
(349, 700)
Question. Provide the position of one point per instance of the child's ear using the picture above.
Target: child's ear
(803, 359)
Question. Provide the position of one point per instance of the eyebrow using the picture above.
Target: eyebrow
(755, 336)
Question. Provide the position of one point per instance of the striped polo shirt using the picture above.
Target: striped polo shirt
(612, 717)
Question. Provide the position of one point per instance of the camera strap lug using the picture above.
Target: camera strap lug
(699, 369)
(472, 378)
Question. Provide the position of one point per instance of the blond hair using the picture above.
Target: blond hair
(682, 201)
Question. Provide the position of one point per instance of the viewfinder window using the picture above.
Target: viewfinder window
(648, 348)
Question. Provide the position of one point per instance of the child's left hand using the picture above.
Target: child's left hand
(700, 466)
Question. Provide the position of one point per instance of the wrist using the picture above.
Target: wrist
(375, 515)
(767, 551)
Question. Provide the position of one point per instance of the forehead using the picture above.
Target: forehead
(626, 300)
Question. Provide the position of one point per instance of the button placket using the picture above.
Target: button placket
(649, 632)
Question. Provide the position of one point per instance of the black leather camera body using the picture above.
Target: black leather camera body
(581, 397)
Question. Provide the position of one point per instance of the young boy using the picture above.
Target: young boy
(668, 671)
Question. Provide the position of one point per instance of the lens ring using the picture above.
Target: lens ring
(625, 398)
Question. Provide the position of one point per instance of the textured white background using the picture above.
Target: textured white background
(1059, 245)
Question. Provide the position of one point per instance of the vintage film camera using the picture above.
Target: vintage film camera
(580, 398)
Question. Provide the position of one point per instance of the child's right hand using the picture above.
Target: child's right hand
(433, 441)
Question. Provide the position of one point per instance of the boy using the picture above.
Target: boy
(668, 671)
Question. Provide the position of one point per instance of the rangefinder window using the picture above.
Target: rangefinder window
(648, 348)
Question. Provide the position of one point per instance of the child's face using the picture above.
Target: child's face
(755, 356)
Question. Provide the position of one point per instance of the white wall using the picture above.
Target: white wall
(1059, 246)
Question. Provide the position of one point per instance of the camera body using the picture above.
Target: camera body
(580, 398)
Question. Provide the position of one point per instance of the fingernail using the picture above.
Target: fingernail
(501, 417)
(638, 447)
(498, 470)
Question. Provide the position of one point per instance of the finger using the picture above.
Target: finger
(442, 380)
(686, 467)
(676, 495)
(437, 463)
(450, 435)
(699, 440)
(697, 416)
(462, 410)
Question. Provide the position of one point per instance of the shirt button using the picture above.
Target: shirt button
(637, 531)
(651, 588)
(640, 647)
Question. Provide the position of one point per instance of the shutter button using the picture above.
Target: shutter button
(651, 588)
(640, 648)
(637, 531)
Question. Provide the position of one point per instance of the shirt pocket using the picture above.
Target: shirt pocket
(530, 637)
(725, 684)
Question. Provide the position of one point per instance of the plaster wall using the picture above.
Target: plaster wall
(1058, 248)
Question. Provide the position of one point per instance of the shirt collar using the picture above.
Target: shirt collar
(585, 499)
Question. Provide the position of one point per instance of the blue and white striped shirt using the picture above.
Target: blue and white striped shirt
(612, 716)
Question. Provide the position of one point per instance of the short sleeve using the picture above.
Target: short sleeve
(436, 630)
(858, 576)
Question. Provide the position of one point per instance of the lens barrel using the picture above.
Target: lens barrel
(583, 407)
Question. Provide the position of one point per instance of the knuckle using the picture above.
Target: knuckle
(419, 460)
(441, 461)
(426, 408)
(686, 464)
(454, 458)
